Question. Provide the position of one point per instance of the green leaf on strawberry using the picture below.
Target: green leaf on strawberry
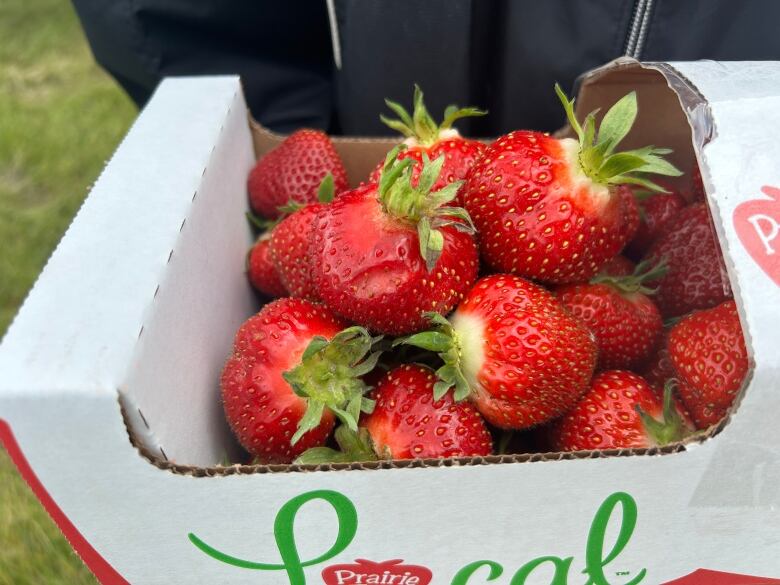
(671, 428)
(419, 205)
(354, 445)
(420, 125)
(597, 156)
(329, 375)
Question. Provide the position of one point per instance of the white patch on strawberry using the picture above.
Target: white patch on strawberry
(582, 183)
(470, 330)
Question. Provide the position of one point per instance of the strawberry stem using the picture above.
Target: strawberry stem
(671, 428)
(443, 340)
(633, 283)
(420, 125)
(330, 376)
(353, 446)
(427, 209)
(597, 156)
(260, 223)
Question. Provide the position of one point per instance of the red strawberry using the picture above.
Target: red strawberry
(260, 269)
(697, 185)
(423, 136)
(632, 215)
(409, 423)
(514, 350)
(696, 275)
(386, 253)
(708, 353)
(618, 266)
(292, 371)
(291, 244)
(619, 312)
(620, 411)
(655, 211)
(658, 370)
(547, 208)
(293, 171)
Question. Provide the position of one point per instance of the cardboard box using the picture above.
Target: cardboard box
(127, 328)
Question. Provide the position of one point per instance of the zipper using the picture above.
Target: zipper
(637, 31)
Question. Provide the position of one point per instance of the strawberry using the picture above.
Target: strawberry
(619, 312)
(708, 353)
(548, 208)
(423, 136)
(291, 243)
(261, 271)
(632, 214)
(620, 411)
(618, 266)
(293, 370)
(293, 171)
(514, 350)
(659, 369)
(656, 209)
(384, 254)
(695, 278)
(409, 423)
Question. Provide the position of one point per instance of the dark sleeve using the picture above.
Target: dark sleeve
(282, 50)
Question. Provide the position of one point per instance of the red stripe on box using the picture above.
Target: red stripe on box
(707, 577)
(104, 572)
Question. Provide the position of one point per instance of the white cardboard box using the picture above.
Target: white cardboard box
(130, 322)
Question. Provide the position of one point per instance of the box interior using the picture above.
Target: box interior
(198, 441)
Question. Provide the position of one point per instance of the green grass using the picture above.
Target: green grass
(60, 119)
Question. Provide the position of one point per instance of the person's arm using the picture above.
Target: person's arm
(282, 50)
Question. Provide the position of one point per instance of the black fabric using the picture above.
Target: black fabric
(282, 50)
(723, 30)
(501, 55)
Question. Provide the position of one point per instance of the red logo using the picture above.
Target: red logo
(758, 226)
(364, 572)
(706, 577)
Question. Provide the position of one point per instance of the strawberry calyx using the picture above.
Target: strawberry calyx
(443, 340)
(417, 204)
(636, 282)
(672, 427)
(325, 194)
(597, 157)
(354, 445)
(261, 223)
(329, 375)
(420, 128)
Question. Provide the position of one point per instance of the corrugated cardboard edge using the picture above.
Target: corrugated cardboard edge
(251, 469)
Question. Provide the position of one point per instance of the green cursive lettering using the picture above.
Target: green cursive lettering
(595, 561)
(561, 576)
(462, 577)
(285, 537)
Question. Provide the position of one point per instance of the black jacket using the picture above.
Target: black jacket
(501, 55)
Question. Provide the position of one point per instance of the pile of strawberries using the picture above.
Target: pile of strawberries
(469, 299)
